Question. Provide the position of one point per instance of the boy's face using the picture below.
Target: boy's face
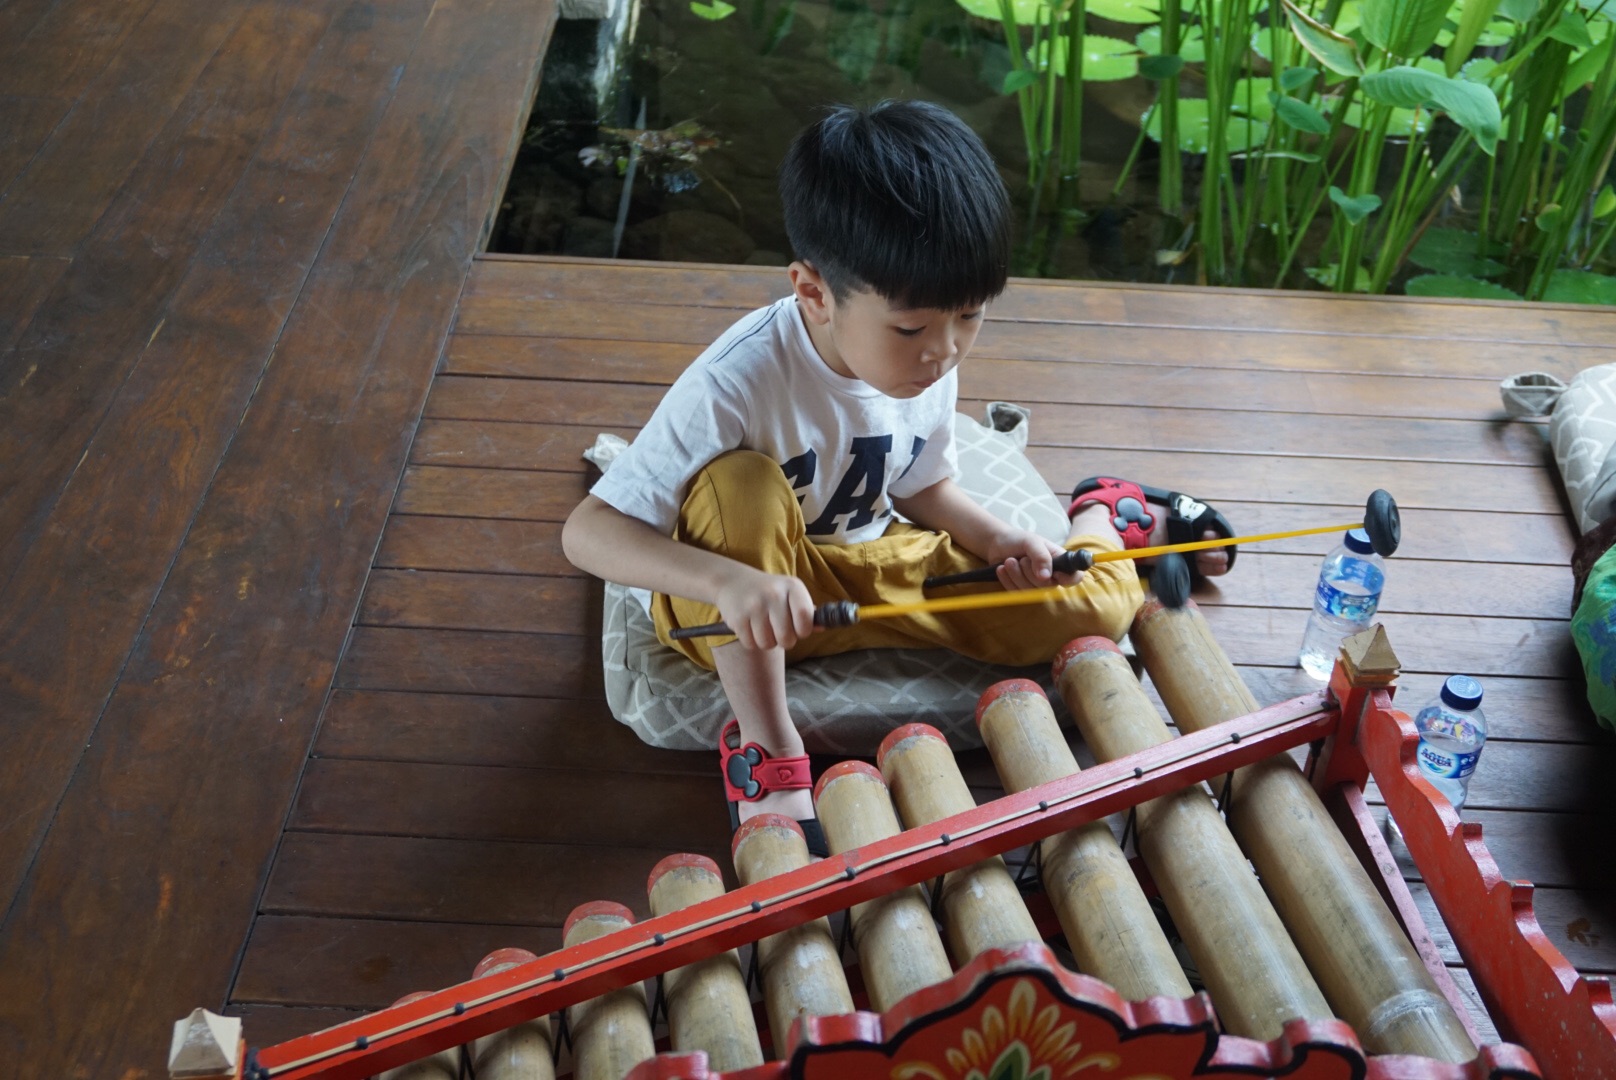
(899, 351)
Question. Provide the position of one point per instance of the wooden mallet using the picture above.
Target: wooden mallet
(1170, 581)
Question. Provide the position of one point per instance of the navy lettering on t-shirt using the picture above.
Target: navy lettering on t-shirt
(860, 488)
(914, 456)
(800, 472)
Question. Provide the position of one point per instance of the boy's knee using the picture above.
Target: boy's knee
(740, 505)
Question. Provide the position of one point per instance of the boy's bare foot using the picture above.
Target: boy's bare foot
(1106, 505)
(794, 803)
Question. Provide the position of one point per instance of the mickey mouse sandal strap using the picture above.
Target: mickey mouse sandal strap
(750, 773)
(1131, 515)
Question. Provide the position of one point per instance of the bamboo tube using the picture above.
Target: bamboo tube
(612, 1033)
(898, 946)
(1364, 962)
(1112, 932)
(444, 1065)
(801, 969)
(1247, 961)
(523, 1052)
(708, 1007)
(982, 909)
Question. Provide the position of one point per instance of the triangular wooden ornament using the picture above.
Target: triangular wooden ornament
(1369, 659)
(205, 1044)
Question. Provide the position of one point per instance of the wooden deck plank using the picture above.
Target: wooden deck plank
(465, 729)
(229, 672)
(179, 408)
(515, 280)
(1146, 427)
(546, 806)
(1138, 344)
(368, 963)
(472, 544)
(108, 309)
(473, 662)
(1096, 382)
(419, 879)
(25, 282)
(87, 163)
(30, 119)
(68, 47)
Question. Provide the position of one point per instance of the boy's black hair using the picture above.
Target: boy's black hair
(901, 198)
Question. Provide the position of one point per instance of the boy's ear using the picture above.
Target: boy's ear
(812, 293)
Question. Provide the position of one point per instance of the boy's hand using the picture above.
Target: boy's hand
(766, 610)
(1024, 560)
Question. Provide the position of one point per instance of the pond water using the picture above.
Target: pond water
(718, 102)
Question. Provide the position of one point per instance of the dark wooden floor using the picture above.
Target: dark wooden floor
(232, 237)
(468, 787)
(286, 732)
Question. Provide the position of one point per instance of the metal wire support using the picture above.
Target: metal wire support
(1130, 828)
(937, 897)
(1033, 861)
(1226, 796)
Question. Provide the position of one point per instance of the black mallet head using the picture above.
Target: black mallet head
(1170, 580)
(1383, 523)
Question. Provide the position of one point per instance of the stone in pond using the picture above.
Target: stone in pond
(689, 236)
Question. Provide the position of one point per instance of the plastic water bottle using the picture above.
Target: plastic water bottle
(1452, 733)
(1344, 602)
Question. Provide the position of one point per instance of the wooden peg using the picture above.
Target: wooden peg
(206, 1045)
(1369, 659)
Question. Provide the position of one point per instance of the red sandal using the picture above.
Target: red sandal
(750, 773)
(1134, 508)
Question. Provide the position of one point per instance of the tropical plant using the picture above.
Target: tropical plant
(1352, 138)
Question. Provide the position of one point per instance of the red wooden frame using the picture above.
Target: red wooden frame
(1568, 1022)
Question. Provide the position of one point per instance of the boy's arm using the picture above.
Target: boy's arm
(763, 609)
(1024, 557)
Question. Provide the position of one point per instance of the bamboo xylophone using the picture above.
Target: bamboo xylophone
(1307, 970)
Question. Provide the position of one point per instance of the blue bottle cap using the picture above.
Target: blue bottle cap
(1358, 541)
(1461, 692)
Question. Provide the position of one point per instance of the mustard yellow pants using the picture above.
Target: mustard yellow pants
(742, 506)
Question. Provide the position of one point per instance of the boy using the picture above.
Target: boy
(767, 479)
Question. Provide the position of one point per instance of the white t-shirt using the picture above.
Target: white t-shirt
(846, 448)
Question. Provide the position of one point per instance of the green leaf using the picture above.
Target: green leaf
(1573, 30)
(1580, 287)
(1294, 79)
(1142, 12)
(1240, 133)
(1191, 45)
(1403, 124)
(1585, 68)
(1403, 28)
(1455, 251)
(1335, 51)
(1160, 67)
(1354, 208)
(1291, 155)
(1015, 81)
(1302, 116)
(1454, 285)
(1605, 203)
(1519, 10)
(1253, 97)
(1548, 217)
(1105, 59)
(712, 12)
(1329, 275)
(1473, 19)
(1472, 106)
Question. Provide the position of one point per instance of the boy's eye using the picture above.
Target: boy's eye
(908, 331)
(972, 315)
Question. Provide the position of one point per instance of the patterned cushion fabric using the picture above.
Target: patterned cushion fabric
(843, 704)
(1582, 429)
